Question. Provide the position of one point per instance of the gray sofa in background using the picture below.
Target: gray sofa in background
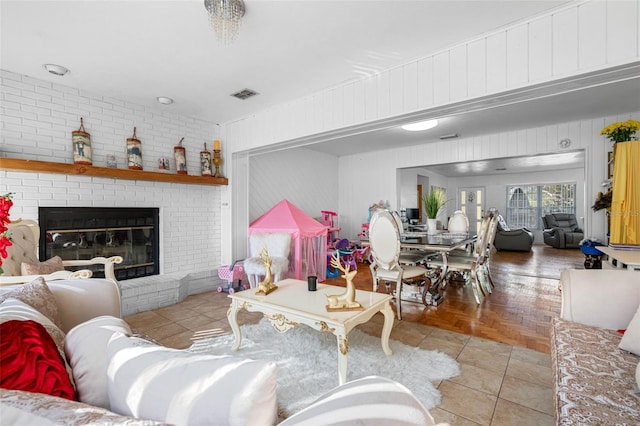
(520, 239)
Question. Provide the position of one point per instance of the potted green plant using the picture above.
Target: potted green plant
(433, 202)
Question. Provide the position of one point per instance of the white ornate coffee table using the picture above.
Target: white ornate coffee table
(292, 304)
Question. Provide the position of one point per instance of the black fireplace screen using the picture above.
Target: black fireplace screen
(88, 232)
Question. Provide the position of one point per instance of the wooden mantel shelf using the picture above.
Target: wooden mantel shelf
(106, 172)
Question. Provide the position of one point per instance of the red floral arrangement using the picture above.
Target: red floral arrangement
(5, 206)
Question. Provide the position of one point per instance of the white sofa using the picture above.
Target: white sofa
(594, 379)
(133, 368)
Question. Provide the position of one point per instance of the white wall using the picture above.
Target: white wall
(37, 120)
(307, 178)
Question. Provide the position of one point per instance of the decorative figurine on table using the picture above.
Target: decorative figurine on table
(266, 286)
(345, 301)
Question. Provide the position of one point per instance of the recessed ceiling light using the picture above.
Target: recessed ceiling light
(164, 100)
(422, 125)
(54, 69)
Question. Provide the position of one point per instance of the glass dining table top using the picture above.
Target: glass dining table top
(442, 241)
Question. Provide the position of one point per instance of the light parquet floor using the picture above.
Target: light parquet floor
(519, 310)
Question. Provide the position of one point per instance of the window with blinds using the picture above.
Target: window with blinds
(526, 204)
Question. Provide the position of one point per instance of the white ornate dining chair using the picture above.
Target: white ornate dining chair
(458, 223)
(475, 266)
(278, 245)
(409, 257)
(384, 240)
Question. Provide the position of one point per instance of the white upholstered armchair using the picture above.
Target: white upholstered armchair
(278, 245)
(22, 258)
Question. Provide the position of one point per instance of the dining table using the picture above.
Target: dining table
(442, 243)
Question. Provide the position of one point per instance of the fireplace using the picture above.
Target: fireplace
(87, 232)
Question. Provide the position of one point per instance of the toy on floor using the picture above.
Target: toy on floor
(231, 273)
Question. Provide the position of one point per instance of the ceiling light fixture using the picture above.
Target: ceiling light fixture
(164, 100)
(422, 125)
(54, 69)
(225, 17)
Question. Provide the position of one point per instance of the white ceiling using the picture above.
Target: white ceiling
(138, 50)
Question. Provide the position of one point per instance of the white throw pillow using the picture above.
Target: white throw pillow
(179, 387)
(631, 339)
(86, 348)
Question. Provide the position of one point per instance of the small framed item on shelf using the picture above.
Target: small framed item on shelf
(134, 152)
(163, 164)
(81, 145)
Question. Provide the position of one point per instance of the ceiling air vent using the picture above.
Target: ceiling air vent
(244, 94)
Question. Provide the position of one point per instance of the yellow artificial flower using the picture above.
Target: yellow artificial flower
(621, 131)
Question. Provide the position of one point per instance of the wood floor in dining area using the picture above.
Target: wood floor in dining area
(520, 308)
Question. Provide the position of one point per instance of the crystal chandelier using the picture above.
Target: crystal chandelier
(225, 18)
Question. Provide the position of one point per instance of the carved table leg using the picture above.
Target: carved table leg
(232, 316)
(343, 352)
(386, 328)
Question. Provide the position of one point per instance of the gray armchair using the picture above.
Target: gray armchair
(520, 239)
(562, 230)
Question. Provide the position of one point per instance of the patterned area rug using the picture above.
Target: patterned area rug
(308, 362)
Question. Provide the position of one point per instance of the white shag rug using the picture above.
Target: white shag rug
(308, 362)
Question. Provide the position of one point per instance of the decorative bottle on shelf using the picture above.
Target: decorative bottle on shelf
(81, 145)
(205, 162)
(217, 158)
(179, 154)
(134, 152)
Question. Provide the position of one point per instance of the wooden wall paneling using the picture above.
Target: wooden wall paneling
(622, 30)
(317, 106)
(477, 67)
(371, 98)
(459, 70)
(552, 138)
(410, 86)
(425, 82)
(531, 139)
(441, 78)
(337, 101)
(518, 56)
(384, 94)
(349, 102)
(327, 110)
(540, 49)
(592, 36)
(565, 42)
(496, 62)
(514, 146)
(396, 92)
(360, 102)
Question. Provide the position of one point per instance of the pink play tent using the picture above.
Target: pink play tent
(308, 238)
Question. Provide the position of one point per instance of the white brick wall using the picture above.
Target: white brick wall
(37, 118)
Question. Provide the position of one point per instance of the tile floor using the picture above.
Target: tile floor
(499, 384)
